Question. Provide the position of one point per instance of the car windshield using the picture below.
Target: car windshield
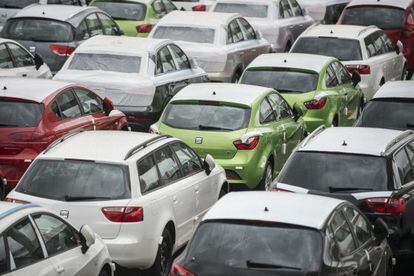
(189, 34)
(34, 29)
(132, 11)
(385, 18)
(246, 10)
(206, 116)
(105, 62)
(19, 114)
(16, 4)
(342, 49)
(330, 172)
(255, 245)
(283, 80)
(388, 113)
(69, 179)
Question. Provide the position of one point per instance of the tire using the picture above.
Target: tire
(267, 177)
(104, 272)
(236, 76)
(163, 260)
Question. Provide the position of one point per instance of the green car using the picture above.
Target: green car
(249, 130)
(321, 86)
(135, 17)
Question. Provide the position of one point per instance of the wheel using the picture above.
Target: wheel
(267, 177)
(236, 77)
(163, 260)
(104, 272)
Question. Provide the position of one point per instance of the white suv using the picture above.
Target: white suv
(144, 194)
(367, 50)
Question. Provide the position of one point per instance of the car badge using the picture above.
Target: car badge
(64, 214)
(199, 140)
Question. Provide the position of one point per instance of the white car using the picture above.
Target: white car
(35, 241)
(223, 44)
(144, 194)
(326, 11)
(279, 21)
(139, 75)
(367, 50)
(16, 61)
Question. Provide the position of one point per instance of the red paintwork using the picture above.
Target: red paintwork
(20, 145)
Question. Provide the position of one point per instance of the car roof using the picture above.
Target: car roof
(290, 208)
(200, 19)
(36, 90)
(352, 140)
(395, 3)
(338, 31)
(290, 60)
(396, 89)
(222, 92)
(55, 12)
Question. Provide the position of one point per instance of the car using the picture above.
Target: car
(140, 75)
(326, 11)
(320, 85)
(391, 107)
(280, 22)
(136, 17)
(223, 44)
(262, 233)
(396, 18)
(194, 5)
(35, 241)
(369, 167)
(54, 31)
(249, 130)
(142, 193)
(35, 112)
(366, 50)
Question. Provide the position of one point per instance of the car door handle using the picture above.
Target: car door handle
(60, 269)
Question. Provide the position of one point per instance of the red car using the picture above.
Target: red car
(395, 17)
(34, 113)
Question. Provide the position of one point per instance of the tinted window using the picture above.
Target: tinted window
(331, 79)
(68, 105)
(342, 234)
(342, 49)
(284, 9)
(167, 166)
(5, 58)
(279, 106)
(246, 10)
(383, 17)
(359, 224)
(105, 62)
(206, 116)
(94, 25)
(405, 170)
(190, 34)
(82, 32)
(148, 174)
(4, 266)
(123, 10)
(65, 180)
(159, 8)
(389, 47)
(165, 60)
(90, 102)
(297, 11)
(21, 56)
(236, 32)
(108, 24)
(342, 73)
(16, 4)
(248, 29)
(19, 114)
(369, 44)
(169, 6)
(190, 162)
(181, 58)
(266, 114)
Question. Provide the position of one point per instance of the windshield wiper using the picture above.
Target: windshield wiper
(344, 189)
(81, 198)
(253, 264)
(203, 127)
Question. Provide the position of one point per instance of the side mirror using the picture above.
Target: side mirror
(399, 47)
(381, 230)
(209, 164)
(87, 237)
(108, 106)
(298, 111)
(38, 60)
(356, 78)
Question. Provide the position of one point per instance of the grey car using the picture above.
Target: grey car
(54, 31)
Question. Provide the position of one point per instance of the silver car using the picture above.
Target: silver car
(223, 44)
(54, 31)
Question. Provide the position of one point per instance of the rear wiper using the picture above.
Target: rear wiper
(212, 128)
(341, 189)
(81, 198)
(253, 264)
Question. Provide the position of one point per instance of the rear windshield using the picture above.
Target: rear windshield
(190, 34)
(246, 10)
(16, 4)
(385, 18)
(335, 172)
(250, 245)
(282, 80)
(132, 11)
(206, 116)
(20, 114)
(41, 30)
(105, 62)
(342, 49)
(70, 180)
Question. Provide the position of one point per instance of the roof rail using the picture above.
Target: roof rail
(144, 145)
(367, 29)
(312, 135)
(397, 139)
(62, 139)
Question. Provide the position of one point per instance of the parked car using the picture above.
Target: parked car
(136, 17)
(369, 167)
(248, 234)
(33, 113)
(144, 194)
(366, 50)
(223, 44)
(16, 61)
(34, 241)
(320, 85)
(54, 31)
(280, 22)
(139, 75)
(249, 130)
(325, 11)
(194, 5)
(396, 18)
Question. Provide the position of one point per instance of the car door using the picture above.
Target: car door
(23, 62)
(397, 60)
(257, 47)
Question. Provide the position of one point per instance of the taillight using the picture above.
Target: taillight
(199, 8)
(387, 205)
(316, 104)
(177, 270)
(250, 144)
(361, 69)
(13, 200)
(124, 214)
(145, 28)
(62, 50)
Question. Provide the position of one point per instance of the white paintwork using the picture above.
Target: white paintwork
(396, 89)
(403, 4)
(189, 4)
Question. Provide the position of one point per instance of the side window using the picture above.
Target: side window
(4, 264)
(89, 101)
(167, 166)
(387, 43)
(159, 8)
(369, 44)
(341, 73)
(342, 234)
(169, 6)
(165, 62)
(190, 162)
(68, 105)
(82, 32)
(248, 29)
(330, 77)
(6, 61)
(180, 57)
(148, 174)
(266, 113)
(236, 32)
(296, 9)
(280, 106)
(284, 9)
(21, 56)
(109, 26)
(359, 224)
(23, 244)
(404, 167)
(94, 25)
(57, 235)
(379, 45)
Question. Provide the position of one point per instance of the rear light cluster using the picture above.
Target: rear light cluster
(179, 271)
(13, 200)
(144, 28)
(62, 50)
(124, 214)
(361, 69)
(250, 144)
(386, 205)
(316, 104)
(199, 8)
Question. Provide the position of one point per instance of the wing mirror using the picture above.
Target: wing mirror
(38, 61)
(108, 106)
(399, 47)
(209, 164)
(381, 230)
(87, 237)
(356, 78)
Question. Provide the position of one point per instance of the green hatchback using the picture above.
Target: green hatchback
(321, 86)
(249, 130)
(136, 17)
